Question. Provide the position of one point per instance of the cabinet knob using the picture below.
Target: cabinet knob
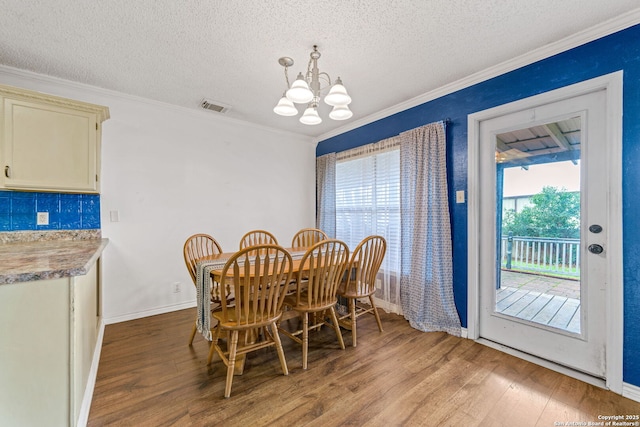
(7, 171)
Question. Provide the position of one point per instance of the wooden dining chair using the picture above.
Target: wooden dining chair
(307, 237)
(195, 248)
(323, 266)
(258, 284)
(257, 237)
(360, 282)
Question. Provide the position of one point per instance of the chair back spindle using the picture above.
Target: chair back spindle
(197, 247)
(308, 237)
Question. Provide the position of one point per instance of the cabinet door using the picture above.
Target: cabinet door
(34, 353)
(49, 147)
(84, 315)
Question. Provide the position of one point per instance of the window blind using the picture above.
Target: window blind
(368, 200)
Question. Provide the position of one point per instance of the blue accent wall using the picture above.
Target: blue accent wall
(18, 211)
(619, 51)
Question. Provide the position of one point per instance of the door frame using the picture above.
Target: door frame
(612, 84)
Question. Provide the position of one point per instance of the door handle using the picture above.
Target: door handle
(595, 228)
(596, 249)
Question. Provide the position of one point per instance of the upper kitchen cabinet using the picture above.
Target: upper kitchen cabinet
(48, 143)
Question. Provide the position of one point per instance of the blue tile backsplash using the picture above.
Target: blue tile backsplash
(18, 211)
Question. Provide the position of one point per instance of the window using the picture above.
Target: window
(367, 203)
(359, 192)
(368, 199)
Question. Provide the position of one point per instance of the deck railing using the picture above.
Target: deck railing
(537, 254)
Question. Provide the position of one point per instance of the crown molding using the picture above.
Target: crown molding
(98, 91)
(101, 112)
(598, 31)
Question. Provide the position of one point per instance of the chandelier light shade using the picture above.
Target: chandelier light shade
(340, 112)
(310, 116)
(285, 107)
(337, 95)
(299, 91)
(307, 89)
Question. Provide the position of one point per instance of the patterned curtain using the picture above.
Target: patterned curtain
(326, 194)
(426, 281)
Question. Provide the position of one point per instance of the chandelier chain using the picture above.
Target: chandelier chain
(286, 76)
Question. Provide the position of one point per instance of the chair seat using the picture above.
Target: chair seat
(252, 320)
(355, 293)
(291, 301)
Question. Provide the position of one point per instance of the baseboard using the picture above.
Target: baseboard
(464, 333)
(631, 391)
(147, 313)
(83, 417)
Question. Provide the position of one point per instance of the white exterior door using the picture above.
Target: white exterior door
(584, 348)
(593, 345)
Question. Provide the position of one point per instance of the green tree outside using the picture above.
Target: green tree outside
(553, 213)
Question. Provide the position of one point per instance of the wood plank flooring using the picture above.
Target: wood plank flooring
(149, 376)
(553, 310)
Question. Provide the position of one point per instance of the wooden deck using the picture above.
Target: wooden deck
(539, 307)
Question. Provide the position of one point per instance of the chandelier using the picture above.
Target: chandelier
(306, 90)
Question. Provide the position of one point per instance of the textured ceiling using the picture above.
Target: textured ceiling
(385, 51)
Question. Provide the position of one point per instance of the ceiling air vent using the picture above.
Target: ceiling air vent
(216, 106)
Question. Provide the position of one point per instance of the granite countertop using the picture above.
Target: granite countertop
(41, 260)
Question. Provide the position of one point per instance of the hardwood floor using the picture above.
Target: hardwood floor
(149, 376)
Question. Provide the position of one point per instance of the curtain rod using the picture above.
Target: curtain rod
(445, 122)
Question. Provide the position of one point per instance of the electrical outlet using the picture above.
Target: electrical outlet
(177, 287)
(42, 218)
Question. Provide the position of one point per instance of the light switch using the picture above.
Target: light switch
(460, 196)
(42, 218)
(114, 216)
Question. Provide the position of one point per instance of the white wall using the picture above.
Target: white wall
(171, 172)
